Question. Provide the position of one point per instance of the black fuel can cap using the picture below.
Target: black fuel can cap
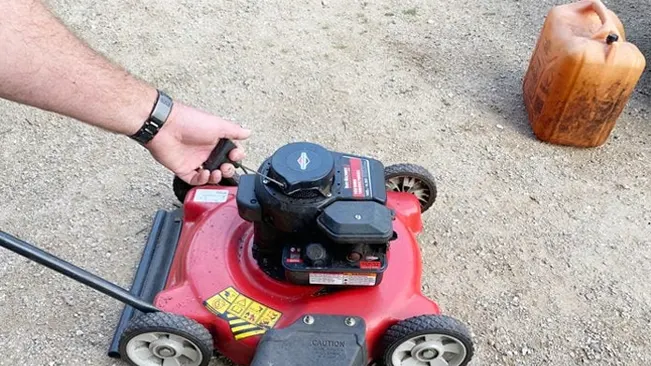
(302, 166)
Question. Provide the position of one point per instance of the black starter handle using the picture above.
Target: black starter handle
(219, 155)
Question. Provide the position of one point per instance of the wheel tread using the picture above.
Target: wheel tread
(417, 171)
(439, 323)
(172, 323)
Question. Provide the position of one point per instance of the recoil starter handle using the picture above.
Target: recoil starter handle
(219, 155)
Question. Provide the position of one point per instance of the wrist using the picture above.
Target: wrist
(158, 116)
(137, 110)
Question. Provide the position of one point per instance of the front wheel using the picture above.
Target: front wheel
(428, 340)
(164, 339)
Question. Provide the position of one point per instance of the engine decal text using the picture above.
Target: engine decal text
(245, 316)
(357, 177)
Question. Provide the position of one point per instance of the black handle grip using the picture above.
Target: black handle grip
(219, 155)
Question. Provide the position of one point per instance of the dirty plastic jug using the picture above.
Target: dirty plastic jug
(581, 75)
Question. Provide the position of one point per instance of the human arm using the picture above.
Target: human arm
(44, 65)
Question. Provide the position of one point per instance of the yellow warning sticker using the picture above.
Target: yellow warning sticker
(245, 316)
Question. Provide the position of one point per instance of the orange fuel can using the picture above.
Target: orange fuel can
(581, 75)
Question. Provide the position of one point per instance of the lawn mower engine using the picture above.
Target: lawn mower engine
(320, 217)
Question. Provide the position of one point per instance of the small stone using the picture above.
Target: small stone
(430, 21)
(79, 333)
(500, 127)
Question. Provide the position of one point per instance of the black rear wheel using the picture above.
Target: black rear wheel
(427, 340)
(413, 179)
(164, 339)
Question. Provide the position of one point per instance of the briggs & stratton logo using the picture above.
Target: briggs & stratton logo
(303, 160)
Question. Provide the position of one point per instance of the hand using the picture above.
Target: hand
(186, 140)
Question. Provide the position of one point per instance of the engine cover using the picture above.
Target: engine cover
(303, 167)
(327, 215)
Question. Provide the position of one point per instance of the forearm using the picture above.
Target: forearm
(42, 64)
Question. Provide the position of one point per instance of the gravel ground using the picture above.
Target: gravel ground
(544, 251)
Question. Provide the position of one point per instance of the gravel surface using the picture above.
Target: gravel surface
(544, 251)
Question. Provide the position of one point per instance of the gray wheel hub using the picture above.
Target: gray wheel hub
(163, 349)
(411, 185)
(426, 351)
(429, 350)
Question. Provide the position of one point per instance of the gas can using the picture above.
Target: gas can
(581, 75)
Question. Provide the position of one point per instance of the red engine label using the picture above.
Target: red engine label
(370, 265)
(356, 177)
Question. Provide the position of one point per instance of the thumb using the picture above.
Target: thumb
(233, 131)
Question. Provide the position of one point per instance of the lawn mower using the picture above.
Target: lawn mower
(311, 259)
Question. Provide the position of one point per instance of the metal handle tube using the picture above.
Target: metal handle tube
(37, 255)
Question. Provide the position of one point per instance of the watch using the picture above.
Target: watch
(157, 118)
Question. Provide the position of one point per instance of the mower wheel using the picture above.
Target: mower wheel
(181, 188)
(427, 340)
(413, 179)
(165, 339)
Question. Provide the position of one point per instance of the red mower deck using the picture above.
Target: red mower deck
(215, 280)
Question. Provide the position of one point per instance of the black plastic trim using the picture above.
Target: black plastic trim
(153, 269)
(315, 340)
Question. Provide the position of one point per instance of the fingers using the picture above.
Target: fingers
(203, 176)
(227, 170)
(237, 154)
(215, 176)
(234, 131)
(196, 178)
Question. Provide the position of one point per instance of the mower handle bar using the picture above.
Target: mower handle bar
(57, 264)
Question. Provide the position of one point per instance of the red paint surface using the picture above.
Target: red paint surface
(214, 253)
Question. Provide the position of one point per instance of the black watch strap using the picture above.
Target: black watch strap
(156, 120)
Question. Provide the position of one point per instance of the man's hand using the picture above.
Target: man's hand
(186, 140)
(46, 66)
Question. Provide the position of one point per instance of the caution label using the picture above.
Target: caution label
(245, 316)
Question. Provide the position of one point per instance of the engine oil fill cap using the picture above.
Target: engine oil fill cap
(302, 166)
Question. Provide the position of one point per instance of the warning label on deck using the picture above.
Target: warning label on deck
(356, 179)
(245, 316)
(352, 279)
(211, 195)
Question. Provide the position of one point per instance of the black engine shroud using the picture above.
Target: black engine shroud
(327, 224)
